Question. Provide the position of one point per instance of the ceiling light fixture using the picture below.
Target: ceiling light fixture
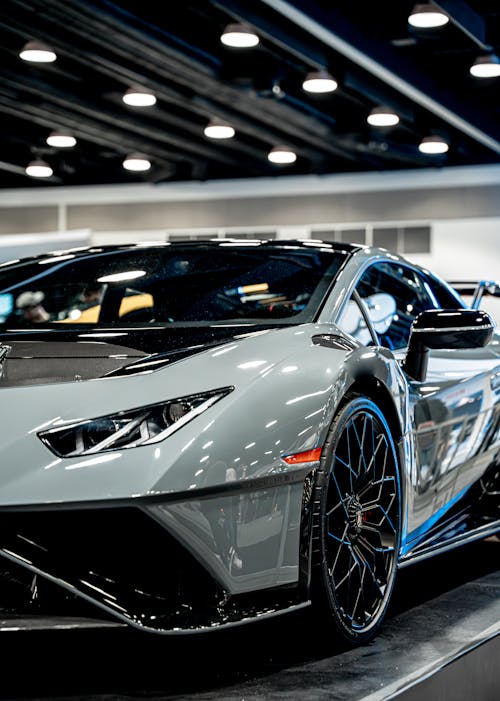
(427, 16)
(239, 36)
(382, 117)
(486, 66)
(319, 82)
(139, 97)
(218, 130)
(37, 52)
(39, 169)
(433, 145)
(137, 162)
(61, 139)
(282, 155)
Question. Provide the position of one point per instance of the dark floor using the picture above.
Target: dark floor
(438, 607)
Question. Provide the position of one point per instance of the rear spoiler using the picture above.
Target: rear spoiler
(477, 290)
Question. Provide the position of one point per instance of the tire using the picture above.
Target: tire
(356, 522)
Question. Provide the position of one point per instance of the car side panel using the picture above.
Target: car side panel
(454, 409)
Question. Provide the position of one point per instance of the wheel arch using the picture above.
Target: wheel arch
(379, 379)
(373, 388)
(360, 395)
(380, 392)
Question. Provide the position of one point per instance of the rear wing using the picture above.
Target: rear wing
(477, 290)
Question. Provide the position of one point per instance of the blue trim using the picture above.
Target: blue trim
(419, 533)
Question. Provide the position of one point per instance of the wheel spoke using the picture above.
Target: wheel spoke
(366, 483)
(368, 445)
(342, 462)
(350, 452)
(362, 573)
(387, 540)
(345, 577)
(338, 505)
(342, 540)
(380, 484)
(342, 552)
(360, 442)
(379, 587)
(385, 519)
(374, 548)
(361, 517)
(341, 496)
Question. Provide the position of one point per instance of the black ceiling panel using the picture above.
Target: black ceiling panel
(105, 47)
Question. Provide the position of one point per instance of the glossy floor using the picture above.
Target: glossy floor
(439, 607)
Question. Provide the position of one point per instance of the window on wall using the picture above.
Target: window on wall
(187, 236)
(386, 238)
(416, 239)
(352, 236)
(400, 239)
(250, 235)
(325, 235)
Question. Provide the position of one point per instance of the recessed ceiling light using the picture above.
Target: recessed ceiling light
(139, 97)
(427, 16)
(218, 130)
(61, 139)
(136, 162)
(239, 36)
(382, 117)
(486, 66)
(319, 82)
(37, 52)
(282, 155)
(433, 145)
(39, 169)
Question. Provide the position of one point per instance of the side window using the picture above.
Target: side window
(136, 305)
(352, 322)
(394, 295)
(443, 297)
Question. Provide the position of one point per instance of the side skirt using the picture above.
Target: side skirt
(423, 551)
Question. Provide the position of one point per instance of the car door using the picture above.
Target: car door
(453, 411)
(450, 408)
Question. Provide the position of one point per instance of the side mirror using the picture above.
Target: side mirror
(438, 329)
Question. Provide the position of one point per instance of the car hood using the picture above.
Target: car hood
(50, 356)
(282, 380)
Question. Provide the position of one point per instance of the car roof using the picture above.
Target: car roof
(305, 244)
(359, 252)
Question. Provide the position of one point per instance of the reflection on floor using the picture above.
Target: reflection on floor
(439, 607)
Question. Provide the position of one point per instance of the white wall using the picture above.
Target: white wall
(464, 249)
(460, 204)
(14, 246)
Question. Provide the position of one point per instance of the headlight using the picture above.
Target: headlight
(128, 429)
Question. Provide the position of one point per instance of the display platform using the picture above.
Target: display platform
(441, 640)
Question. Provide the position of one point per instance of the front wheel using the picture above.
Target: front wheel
(357, 527)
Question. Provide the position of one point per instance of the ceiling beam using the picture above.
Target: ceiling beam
(469, 177)
(303, 128)
(386, 63)
(289, 40)
(468, 21)
(19, 170)
(137, 134)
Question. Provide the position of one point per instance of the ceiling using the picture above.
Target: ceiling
(174, 49)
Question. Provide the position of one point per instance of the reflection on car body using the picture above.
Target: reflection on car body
(271, 425)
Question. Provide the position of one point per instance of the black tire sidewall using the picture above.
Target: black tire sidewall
(322, 594)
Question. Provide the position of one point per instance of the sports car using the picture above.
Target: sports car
(200, 434)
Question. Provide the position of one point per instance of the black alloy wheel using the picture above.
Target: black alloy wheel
(357, 530)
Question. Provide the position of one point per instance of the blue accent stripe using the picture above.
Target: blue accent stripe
(418, 534)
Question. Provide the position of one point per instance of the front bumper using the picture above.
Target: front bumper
(173, 566)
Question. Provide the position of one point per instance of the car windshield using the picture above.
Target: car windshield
(178, 283)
